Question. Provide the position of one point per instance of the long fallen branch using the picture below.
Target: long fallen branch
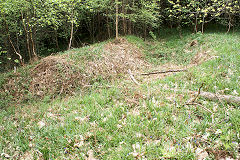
(162, 72)
(214, 97)
(208, 95)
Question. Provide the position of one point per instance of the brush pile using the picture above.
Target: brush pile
(60, 75)
(55, 75)
(117, 59)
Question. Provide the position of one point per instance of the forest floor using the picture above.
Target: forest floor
(95, 103)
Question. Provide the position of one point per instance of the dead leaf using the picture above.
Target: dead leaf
(90, 155)
(139, 135)
(79, 143)
(27, 156)
(81, 120)
(227, 158)
(41, 124)
(5, 155)
(201, 154)
(193, 43)
(53, 116)
(119, 126)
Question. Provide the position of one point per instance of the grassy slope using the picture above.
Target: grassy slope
(119, 120)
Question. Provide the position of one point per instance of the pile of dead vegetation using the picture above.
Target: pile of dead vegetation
(60, 75)
(55, 75)
(118, 57)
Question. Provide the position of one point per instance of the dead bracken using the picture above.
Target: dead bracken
(61, 75)
(57, 75)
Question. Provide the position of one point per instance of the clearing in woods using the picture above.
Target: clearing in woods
(109, 101)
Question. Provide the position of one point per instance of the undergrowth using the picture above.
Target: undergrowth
(116, 119)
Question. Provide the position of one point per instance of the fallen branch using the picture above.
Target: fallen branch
(214, 97)
(132, 77)
(162, 72)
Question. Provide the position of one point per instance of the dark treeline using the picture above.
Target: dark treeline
(33, 28)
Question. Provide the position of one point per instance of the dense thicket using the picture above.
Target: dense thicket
(32, 28)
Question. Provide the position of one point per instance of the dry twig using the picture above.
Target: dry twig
(132, 77)
(206, 109)
(162, 72)
(199, 91)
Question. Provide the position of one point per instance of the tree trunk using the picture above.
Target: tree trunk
(56, 39)
(116, 19)
(108, 28)
(18, 44)
(124, 18)
(71, 36)
(19, 55)
(145, 31)
(27, 37)
(203, 24)
(10, 41)
(229, 23)
(33, 45)
(196, 23)
(129, 27)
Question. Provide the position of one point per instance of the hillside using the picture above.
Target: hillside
(95, 101)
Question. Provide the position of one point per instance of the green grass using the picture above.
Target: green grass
(169, 47)
(118, 120)
(221, 73)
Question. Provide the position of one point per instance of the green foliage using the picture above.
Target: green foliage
(204, 11)
(32, 28)
(108, 118)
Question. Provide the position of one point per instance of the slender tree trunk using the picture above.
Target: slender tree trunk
(129, 27)
(116, 19)
(229, 23)
(124, 18)
(93, 30)
(203, 24)
(10, 41)
(196, 23)
(99, 26)
(108, 28)
(31, 31)
(33, 45)
(56, 39)
(27, 37)
(18, 43)
(145, 31)
(71, 36)
(19, 55)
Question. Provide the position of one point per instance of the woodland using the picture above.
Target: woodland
(120, 79)
(35, 28)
